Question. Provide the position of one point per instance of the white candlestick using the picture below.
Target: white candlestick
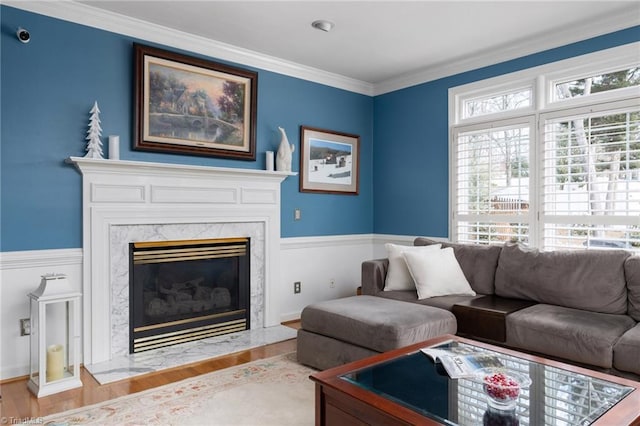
(55, 362)
(114, 147)
(269, 159)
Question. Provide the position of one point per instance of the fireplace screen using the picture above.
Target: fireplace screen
(187, 290)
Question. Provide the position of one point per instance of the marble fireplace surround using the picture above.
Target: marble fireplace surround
(126, 201)
(121, 235)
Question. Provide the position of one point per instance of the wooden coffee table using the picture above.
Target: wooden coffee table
(405, 387)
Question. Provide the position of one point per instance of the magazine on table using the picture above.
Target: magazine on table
(461, 362)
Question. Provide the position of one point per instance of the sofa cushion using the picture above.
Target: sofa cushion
(376, 323)
(437, 273)
(324, 352)
(478, 262)
(626, 353)
(590, 280)
(632, 275)
(398, 276)
(573, 334)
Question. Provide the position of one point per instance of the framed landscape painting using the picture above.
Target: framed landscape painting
(328, 161)
(188, 105)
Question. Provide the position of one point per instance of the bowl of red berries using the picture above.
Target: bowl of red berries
(502, 386)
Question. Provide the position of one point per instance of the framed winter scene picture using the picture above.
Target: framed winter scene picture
(328, 161)
(189, 105)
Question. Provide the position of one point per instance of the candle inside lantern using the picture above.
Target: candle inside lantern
(114, 147)
(55, 362)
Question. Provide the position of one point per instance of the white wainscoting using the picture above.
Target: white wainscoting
(316, 261)
(313, 261)
(20, 274)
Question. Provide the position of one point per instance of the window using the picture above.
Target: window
(592, 84)
(500, 102)
(591, 178)
(492, 191)
(550, 174)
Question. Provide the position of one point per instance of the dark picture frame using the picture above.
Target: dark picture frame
(187, 105)
(329, 161)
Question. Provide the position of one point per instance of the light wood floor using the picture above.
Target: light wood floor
(17, 403)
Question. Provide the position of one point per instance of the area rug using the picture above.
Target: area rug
(272, 391)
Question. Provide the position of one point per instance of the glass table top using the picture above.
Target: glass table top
(555, 397)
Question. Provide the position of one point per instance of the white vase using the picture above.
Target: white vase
(285, 151)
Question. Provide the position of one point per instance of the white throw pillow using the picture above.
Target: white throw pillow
(437, 273)
(398, 276)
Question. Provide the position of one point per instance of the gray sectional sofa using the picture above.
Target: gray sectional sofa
(584, 305)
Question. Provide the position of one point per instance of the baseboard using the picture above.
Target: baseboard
(290, 322)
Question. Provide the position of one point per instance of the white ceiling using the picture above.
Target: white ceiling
(384, 45)
(372, 41)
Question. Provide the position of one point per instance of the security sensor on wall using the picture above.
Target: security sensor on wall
(23, 35)
(323, 25)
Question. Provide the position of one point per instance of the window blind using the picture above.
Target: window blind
(492, 184)
(591, 179)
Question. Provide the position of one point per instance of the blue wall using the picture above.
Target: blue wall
(48, 87)
(411, 142)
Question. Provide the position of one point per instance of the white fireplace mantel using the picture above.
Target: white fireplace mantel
(119, 193)
(144, 168)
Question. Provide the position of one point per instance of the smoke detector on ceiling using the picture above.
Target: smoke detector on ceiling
(323, 25)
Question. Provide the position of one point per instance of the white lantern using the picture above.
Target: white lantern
(55, 337)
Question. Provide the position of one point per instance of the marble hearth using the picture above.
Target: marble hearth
(124, 367)
(125, 201)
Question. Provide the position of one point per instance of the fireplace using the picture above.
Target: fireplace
(124, 201)
(181, 291)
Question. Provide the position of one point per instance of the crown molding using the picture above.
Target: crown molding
(83, 14)
(626, 18)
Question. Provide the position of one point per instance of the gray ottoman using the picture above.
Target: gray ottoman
(343, 330)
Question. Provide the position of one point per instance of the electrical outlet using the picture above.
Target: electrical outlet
(332, 283)
(297, 214)
(25, 326)
(297, 287)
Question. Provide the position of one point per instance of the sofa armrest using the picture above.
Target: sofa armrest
(374, 273)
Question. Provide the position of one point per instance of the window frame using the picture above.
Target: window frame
(603, 62)
(522, 121)
(542, 80)
(458, 99)
(612, 107)
(515, 86)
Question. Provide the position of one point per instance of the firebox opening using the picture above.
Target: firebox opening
(187, 290)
